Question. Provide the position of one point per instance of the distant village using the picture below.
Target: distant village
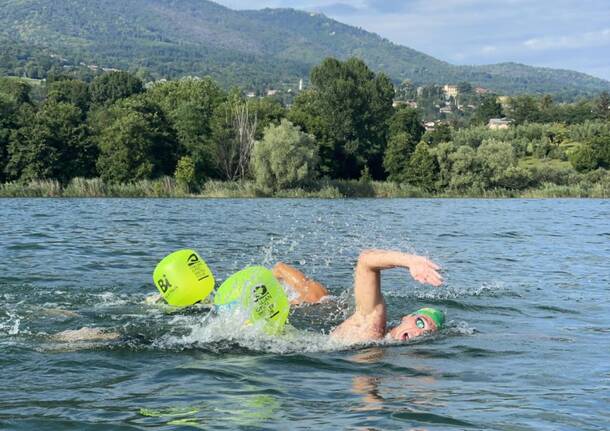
(451, 102)
(440, 102)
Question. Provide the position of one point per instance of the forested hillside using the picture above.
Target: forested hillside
(252, 49)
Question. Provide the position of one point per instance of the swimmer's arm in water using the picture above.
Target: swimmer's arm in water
(85, 334)
(309, 291)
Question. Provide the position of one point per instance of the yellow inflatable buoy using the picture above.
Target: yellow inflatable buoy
(257, 290)
(183, 278)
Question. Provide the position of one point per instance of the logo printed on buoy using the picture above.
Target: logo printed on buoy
(259, 293)
(164, 284)
(192, 259)
(198, 268)
(191, 279)
(264, 302)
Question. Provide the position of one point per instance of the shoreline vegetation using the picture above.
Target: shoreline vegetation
(351, 133)
(168, 187)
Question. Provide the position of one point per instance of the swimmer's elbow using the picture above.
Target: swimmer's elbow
(367, 257)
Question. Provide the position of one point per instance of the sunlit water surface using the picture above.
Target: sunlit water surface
(527, 290)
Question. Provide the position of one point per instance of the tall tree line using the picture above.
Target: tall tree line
(344, 126)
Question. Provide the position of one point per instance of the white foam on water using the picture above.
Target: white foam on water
(228, 329)
(459, 328)
(11, 324)
(15, 329)
(449, 292)
(112, 299)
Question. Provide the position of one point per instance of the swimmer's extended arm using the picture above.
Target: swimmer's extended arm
(309, 291)
(367, 285)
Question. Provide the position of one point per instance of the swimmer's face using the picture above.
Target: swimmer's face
(411, 326)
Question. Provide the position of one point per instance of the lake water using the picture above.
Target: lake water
(527, 296)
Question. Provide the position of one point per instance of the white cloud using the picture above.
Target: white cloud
(583, 40)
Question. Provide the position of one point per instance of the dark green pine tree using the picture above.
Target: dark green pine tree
(489, 108)
(422, 168)
(397, 154)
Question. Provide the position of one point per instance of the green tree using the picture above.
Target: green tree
(602, 106)
(441, 133)
(112, 86)
(516, 178)
(443, 152)
(495, 157)
(524, 109)
(189, 105)
(268, 110)
(285, 157)
(406, 119)
(397, 155)
(70, 91)
(464, 88)
(185, 173)
(422, 169)
(8, 110)
(406, 91)
(16, 89)
(136, 142)
(488, 108)
(584, 158)
(53, 143)
(546, 102)
(592, 155)
(465, 169)
(347, 110)
(556, 133)
(601, 146)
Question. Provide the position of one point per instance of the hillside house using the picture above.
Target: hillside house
(504, 101)
(499, 123)
(430, 125)
(450, 91)
(409, 103)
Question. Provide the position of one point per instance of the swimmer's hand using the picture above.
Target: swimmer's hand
(152, 299)
(424, 270)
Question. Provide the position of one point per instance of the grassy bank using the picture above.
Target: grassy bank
(168, 188)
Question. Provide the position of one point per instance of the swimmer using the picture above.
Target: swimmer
(368, 323)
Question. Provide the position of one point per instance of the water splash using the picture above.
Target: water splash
(220, 333)
(493, 289)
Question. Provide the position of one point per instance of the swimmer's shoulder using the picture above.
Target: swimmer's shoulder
(358, 328)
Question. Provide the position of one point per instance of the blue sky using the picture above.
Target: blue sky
(564, 34)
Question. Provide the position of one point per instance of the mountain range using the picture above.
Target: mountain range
(253, 49)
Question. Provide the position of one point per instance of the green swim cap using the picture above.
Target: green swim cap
(437, 316)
